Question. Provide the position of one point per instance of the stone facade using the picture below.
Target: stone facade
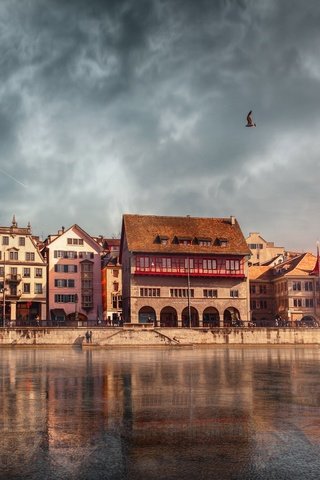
(186, 272)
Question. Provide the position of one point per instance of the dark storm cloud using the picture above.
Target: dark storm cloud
(108, 107)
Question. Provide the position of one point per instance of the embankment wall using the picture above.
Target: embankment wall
(130, 336)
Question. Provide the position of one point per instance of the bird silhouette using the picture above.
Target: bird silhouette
(250, 122)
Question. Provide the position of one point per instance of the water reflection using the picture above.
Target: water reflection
(217, 413)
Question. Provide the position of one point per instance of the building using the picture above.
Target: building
(184, 271)
(22, 277)
(263, 251)
(111, 283)
(262, 299)
(74, 277)
(288, 292)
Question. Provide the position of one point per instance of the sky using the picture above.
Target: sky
(139, 106)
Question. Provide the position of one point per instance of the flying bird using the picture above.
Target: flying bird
(250, 122)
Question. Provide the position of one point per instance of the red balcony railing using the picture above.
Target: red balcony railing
(181, 266)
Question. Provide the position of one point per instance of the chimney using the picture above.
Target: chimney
(232, 219)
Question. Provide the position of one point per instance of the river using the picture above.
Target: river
(209, 413)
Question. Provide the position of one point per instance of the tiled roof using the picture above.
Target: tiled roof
(258, 272)
(302, 265)
(142, 232)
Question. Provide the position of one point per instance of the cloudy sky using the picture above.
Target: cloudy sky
(139, 106)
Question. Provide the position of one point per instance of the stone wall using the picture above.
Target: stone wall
(149, 336)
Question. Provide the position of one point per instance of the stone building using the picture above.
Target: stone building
(184, 271)
(111, 283)
(22, 277)
(289, 290)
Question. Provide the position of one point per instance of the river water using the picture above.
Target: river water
(218, 413)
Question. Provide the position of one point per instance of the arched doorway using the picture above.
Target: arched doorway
(210, 317)
(231, 317)
(147, 315)
(194, 317)
(168, 317)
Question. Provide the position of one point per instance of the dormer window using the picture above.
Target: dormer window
(162, 239)
(183, 240)
(203, 241)
(222, 242)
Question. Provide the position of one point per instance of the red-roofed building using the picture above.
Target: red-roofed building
(288, 291)
(184, 271)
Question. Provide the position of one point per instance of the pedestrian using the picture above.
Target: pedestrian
(87, 335)
(90, 336)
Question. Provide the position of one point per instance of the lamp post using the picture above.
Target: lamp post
(76, 307)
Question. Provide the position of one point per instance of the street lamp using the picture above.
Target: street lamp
(76, 307)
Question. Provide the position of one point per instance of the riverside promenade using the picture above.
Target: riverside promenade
(141, 336)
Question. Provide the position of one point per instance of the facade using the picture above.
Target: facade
(74, 277)
(184, 271)
(22, 277)
(263, 251)
(112, 290)
(262, 298)
(287, 293)
(111, 275)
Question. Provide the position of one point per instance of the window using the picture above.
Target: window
(263, 289)
(255, 246)
(22, 241)
(204, 243)
(74, 241)
(149, 292)
(65, 298)
(232, 264)
(234, 293)
(210, 293)
(309, 302)
(115, 273)
(1, 271)
(26, 272)
(296, 286)
(252, 289)
(29, 257)
(86, 255)
(26, 288)
(64, 283)
(13, 255)
(65, 268)
(38, 272)
(181, 292)
(308, 286)
(64, 254)
(5, 240)
(86, 301)
(13, 272)
(209, 264)
(38, 288)
(85, 283)
(297, 302)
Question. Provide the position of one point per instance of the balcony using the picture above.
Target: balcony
(13, 279)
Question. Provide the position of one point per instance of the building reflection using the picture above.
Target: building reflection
(69, 411)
